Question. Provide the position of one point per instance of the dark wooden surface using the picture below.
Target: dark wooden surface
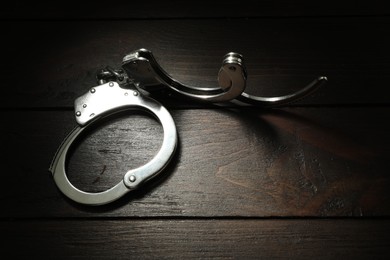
(197, 239)
(306, 181)
(153, 9)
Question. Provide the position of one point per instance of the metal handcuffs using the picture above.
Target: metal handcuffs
(129, 88)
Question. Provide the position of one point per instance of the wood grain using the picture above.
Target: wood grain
(153, 9)
(52, 63)
(290, 162)
(188, 239)
(305, 182)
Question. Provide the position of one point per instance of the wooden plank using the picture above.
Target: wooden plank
(190, 9)
(178, 239)
(49, 64)
(291, 162)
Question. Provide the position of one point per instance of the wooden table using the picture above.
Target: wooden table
(310, 180)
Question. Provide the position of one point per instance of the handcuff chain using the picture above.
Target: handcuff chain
(109, 74)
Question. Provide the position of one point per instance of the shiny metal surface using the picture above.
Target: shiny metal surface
(105, 100)
(143, 68)
(120, 90)
(283, 100)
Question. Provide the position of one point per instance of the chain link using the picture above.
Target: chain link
(110, 74)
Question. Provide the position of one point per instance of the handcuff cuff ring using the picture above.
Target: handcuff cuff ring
(103, 101)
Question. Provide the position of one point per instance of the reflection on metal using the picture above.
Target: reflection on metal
(106, 100)
(123, 89)
(143, 69)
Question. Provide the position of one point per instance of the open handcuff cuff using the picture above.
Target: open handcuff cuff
(130, 88)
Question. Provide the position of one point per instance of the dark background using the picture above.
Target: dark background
(306, 181)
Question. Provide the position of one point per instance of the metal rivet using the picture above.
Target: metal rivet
(135, 93)
(78, 113)
(85, 105)
(93, 90)
(132, 178)
(111, 84)
(126, 93)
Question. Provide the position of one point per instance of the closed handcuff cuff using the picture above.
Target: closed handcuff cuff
(130, 88)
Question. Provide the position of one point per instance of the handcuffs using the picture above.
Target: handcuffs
(130, 88)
